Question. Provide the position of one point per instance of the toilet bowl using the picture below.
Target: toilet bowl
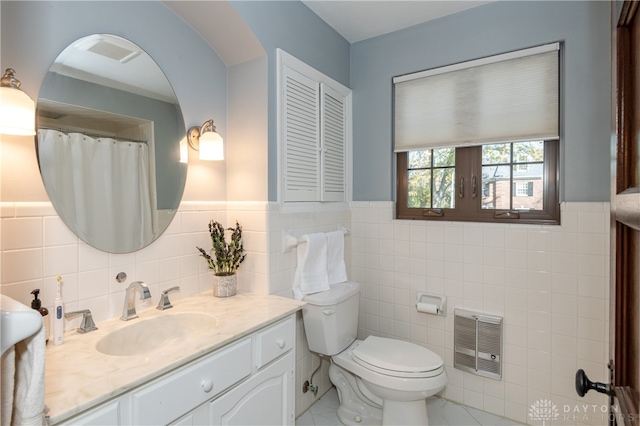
(400, 376)
(379, 380)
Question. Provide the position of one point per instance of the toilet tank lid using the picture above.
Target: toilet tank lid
(336, 294)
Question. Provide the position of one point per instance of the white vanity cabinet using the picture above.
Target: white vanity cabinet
(261, 400)
(109, 413)
(169, 397)
(249, 381)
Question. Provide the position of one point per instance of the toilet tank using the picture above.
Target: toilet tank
(331, 318)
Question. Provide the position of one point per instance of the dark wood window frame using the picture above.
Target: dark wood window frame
(468, 169)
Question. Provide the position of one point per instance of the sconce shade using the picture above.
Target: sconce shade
(17, 110)
(184, 151)
(206, 140)
(211, 146)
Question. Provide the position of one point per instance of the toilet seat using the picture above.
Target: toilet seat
(397, 358)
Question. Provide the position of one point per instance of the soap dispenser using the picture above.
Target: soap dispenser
(37, 305)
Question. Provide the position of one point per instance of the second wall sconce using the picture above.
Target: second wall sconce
(206, 140)
(17, 110)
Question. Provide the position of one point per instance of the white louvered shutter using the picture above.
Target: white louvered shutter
(333, 132)
(301, 127)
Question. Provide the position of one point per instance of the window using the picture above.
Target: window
(481, 183)
(431, 174)
(524, 189)
(517, 166)
(444, 119)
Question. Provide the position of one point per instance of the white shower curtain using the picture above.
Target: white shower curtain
(100, 186)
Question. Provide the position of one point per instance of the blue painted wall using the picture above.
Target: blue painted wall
(294, 28)
(34, 33)
(583, 26)
(37, 31)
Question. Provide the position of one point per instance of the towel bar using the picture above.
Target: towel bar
(289, 241)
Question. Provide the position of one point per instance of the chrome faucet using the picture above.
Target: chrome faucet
(129, 310)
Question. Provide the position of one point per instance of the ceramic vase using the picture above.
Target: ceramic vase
(225, 285)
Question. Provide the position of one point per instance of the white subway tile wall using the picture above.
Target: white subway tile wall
(37, 247)
(551, 284)
(282, 269)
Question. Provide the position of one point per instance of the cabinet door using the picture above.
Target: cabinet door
(197, 417)
(265, 399)
(314, 131)
(110, 413)
(301, 135)
(333, 126)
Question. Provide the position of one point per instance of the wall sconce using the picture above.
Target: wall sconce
(206, 140)
(184, 151)
(17, 110)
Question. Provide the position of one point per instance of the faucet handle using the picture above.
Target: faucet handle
(164, 302)
(86, 325)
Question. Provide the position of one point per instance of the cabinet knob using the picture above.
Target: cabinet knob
(280, 343)
(207, 385)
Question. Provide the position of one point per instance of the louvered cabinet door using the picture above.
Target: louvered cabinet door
(301, 135)
(333, 144)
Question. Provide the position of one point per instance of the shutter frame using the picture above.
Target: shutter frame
(333, 144)
(301, 133)
(329, 158)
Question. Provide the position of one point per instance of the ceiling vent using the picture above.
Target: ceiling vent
(108, 47)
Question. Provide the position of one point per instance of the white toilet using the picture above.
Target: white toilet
(379, 381)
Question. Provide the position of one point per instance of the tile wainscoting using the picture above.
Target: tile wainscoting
(550, 283)
(36, 246)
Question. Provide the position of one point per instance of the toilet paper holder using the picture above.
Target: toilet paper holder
(432, 304)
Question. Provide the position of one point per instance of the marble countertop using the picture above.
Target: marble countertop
(78, 377)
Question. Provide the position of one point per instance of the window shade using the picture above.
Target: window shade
(502, 98)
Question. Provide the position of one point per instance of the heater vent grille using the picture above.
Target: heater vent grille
(478, 343)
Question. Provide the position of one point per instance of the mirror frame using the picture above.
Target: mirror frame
(106, 108)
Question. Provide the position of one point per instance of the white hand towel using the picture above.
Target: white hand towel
(28, 403)
(336, 268)
(311, 273)
(7, 380)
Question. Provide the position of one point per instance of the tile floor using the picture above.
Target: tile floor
(441, 413)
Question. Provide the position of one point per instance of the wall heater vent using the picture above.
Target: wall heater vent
(477, 343)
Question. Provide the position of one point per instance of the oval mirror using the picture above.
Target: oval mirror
(108, 143)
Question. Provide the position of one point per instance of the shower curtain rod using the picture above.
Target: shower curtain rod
(92, 135)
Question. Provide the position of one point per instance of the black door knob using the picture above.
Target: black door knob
(584, 385)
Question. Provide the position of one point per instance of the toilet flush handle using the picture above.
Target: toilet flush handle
(328, 311)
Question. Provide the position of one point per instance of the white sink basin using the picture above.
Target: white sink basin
(143, 336)
(17, 322)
